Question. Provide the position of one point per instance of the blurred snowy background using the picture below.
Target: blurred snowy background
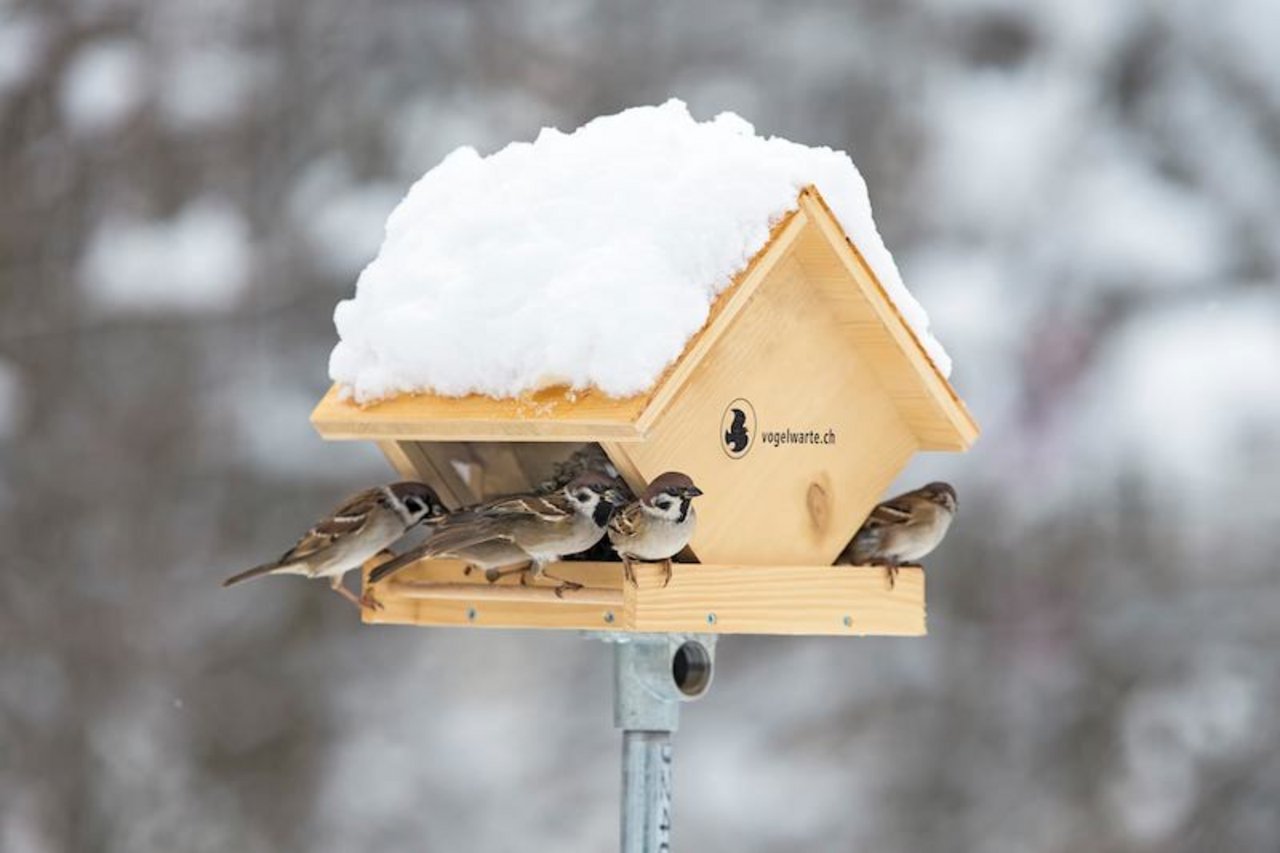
(1085, 195)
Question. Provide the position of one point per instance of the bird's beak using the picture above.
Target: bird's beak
(693, 491)
(614, 496)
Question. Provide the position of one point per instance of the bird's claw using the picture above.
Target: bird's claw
(566, 586)
(891, 574)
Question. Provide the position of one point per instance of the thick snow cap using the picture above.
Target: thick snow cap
(585, 259)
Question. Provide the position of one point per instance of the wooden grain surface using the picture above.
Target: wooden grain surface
(831, 600)
(872, 322)
(553, 414)
(794, 364)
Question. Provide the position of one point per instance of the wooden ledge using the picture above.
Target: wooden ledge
(834, 600)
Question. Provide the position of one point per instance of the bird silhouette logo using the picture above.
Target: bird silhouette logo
(738, 427)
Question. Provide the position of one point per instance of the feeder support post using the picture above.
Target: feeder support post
(653, 674)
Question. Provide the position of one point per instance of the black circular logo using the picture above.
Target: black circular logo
(738, 428)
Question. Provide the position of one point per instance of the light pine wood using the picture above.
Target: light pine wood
(789, 504)
(428, 591)
(553, 414)
(832, 600)
(871, 321)
(407, 598)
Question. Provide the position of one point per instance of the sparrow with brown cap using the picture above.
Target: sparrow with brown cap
(903, 529)
(364, 526)
(658, 525)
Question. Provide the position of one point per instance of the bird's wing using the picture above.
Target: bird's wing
(347, 520)
(892, 512)
(459, 536)
(545, 507)
(627, 523)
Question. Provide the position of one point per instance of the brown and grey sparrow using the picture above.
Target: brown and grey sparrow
(658, 525)
(359, 529)
(543, 527)
(902, 530)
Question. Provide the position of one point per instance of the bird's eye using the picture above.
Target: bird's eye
(584, 495)
(413, 505)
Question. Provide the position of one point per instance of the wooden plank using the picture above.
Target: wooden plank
(834, 600)
(833, 263)
(407, 598)
(554, 414)
(830, 600)
(428, 591)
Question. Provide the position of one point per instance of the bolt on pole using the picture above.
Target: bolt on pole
(653, 674)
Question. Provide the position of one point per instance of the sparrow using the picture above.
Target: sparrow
(365, 525)
(543, 527)
(902, 530)
(658, 525)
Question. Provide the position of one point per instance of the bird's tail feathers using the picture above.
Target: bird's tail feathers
(442, 543)
(256, 571)
(394, 565)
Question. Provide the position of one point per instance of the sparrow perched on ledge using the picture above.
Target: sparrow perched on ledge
(363, 526)
(658, 525)
(543, 528)
(903, 529)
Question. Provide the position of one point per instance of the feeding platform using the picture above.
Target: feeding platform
(794, 408)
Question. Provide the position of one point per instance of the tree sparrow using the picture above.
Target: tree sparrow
(543, 527)
(658, 525)
(362, 527)
(902, 529)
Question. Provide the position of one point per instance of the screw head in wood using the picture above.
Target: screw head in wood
(848, 621)
(711, 619)
(608, 616)
(471, 614)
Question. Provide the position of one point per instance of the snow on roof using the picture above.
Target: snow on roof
(584, 259)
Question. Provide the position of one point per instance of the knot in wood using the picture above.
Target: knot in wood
(819, 504)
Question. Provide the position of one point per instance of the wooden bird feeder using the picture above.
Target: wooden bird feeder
(793, 409)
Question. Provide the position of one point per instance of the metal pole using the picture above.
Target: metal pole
(653, 674)
(646, 791)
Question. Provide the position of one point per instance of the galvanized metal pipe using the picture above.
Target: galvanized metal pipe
(646, 792)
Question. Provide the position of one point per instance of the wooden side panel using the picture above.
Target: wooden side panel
(831, 600)
(800, 374)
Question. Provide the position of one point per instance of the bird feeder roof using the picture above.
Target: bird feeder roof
(834, 269)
